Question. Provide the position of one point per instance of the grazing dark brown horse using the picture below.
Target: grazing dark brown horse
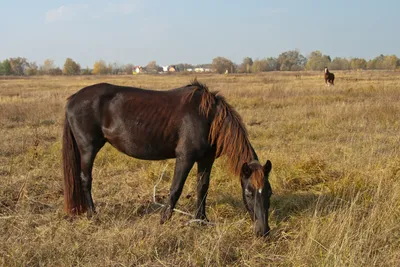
(189, 123)
(329, 77)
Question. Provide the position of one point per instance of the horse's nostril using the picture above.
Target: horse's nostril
(262, 232)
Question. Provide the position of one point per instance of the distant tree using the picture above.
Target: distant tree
(375, 63)
(246, 66)
(115, 68)
(48, 67)
(56, 71)
(180, 66)
(221, 65)
(152, 67)
(358, 63)
(291, 60)
(111, 69)
(184, 66)
(383, 62)
(272, 64)
(317, 61)
(18, 65)
(86, 71)
(5, 67)
(100, 67)
(129, 68)
(31, 69)
(71, 67)
(339, 64)
(260, 65)
(206, 66)
(390, 62)
(2, 70)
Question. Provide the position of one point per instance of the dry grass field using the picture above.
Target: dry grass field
(335, 153)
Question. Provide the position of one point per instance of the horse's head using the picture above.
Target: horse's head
(326, 69)
(256, 193)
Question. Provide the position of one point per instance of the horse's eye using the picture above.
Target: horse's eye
(248, 193)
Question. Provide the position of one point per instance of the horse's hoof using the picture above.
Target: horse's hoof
(90, 214)
(165, 214)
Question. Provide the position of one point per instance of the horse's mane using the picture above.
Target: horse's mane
(227, 131)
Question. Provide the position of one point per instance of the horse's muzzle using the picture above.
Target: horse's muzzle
(261, 229)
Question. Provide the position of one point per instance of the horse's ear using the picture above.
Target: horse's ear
(246, 170)
(267, 167)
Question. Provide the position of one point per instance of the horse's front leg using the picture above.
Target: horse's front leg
(203, 180)
(182, 169)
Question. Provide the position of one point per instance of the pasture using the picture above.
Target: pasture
(335, 154)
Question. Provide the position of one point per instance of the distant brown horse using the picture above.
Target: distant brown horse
(189, 123)
(329, 77)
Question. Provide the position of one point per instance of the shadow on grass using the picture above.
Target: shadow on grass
(287, 205)
(130, 210)
(284, 205)
(226, 198)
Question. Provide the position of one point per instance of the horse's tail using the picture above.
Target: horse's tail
(74, 199)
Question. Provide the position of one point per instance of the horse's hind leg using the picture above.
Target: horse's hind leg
(203, 180)
(182, 169)
(88, 154)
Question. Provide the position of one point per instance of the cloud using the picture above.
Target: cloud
(124, 7)
(56, 14)
(96, 10)
(63, 13)
(276, 10)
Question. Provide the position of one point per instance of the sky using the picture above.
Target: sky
(186, 31)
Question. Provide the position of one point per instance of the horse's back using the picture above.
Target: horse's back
(146, 124)
(100, 98)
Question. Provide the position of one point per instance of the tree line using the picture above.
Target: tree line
(287, 61)
(294, 61)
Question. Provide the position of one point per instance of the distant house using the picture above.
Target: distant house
(172, 68)
(169, 68)
(139, 69)
(199, 69)
(189, 70)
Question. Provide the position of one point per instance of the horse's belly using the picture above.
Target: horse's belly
(142, 138)
(151, 152)
(144, 150)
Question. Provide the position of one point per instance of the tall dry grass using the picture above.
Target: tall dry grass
(336, 179)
